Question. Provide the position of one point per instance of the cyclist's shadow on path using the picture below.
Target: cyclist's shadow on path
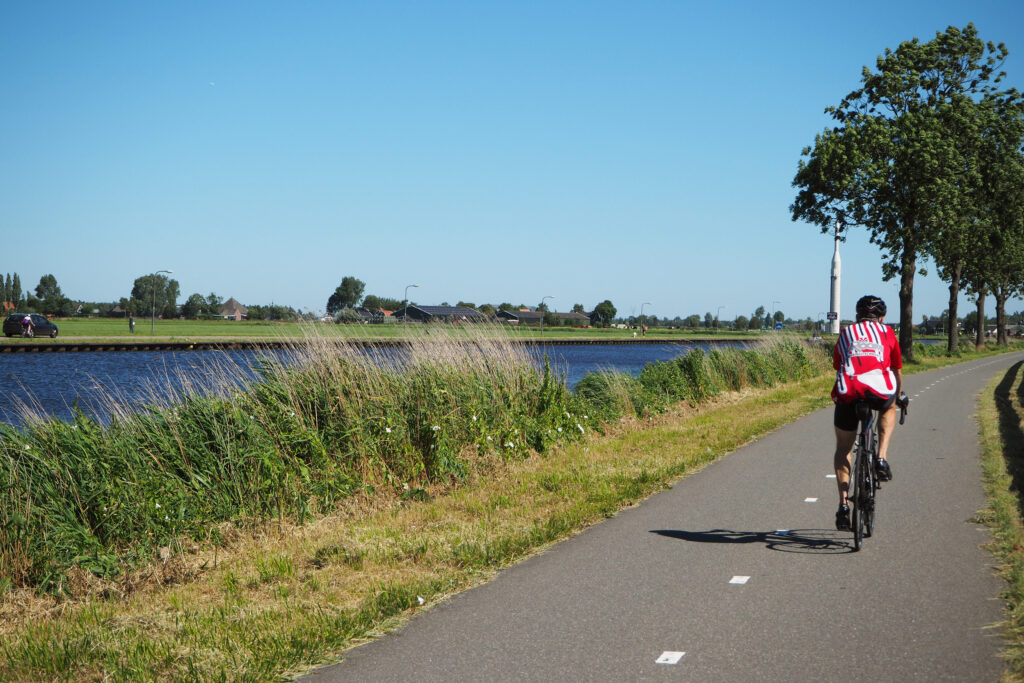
(811, 541)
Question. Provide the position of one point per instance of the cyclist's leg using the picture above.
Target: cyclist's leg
(886, 424)
(841, 460)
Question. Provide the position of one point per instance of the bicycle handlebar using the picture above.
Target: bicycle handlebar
(903, 402)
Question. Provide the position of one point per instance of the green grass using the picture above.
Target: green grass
(1000, 416)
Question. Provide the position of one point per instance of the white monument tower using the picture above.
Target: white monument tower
(837, 271)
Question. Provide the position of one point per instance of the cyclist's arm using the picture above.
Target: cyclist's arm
(899, 381)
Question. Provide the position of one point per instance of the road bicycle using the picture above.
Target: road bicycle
(863, 477)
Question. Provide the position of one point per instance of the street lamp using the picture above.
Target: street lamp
(542, 311)
(406, 297)
(643, 328)
(718, 316)
(152, 310)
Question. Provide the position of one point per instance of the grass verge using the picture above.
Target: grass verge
(1000, 415)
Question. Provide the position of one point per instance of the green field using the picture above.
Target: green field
(80, 329)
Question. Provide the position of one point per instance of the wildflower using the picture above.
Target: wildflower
(387, 429)
(158, 506)
(292, 413)
(559, 430)
(74, 427)
(166, 518)
(580, 427)
(405, 487)
(490, 439)
(27, 447)
(586, 417)
(474, 418)
(419, 599)
(510, 445)
(568, 415)
(434, 428)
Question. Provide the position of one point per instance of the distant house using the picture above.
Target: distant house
(523, 316)
(450, 314)
(116, 312)
(232, 310)
(6, 306)
(528, 317)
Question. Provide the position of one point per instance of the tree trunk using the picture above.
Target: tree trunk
(908, 266)
(952, 342)
(1000, 293)
(979, 337)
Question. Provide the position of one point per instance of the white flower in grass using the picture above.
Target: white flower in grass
(28, 447)
(292, 414)
(559, 430)
(474, 418)
(510, 445)
(74, 428)
(580, 427)
(387, 429)
(157, 506)
(405, 487)
(568, 415)
(586, 417)
(434, 428)
(419, 600)
(490, 439)
(166, 518)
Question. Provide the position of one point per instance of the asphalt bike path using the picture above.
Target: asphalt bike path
(738, 574)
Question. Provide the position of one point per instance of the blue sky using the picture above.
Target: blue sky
(489, 152)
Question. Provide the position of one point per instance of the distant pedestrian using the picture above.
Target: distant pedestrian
(131, 323)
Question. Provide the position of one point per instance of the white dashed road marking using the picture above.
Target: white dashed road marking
(669, 657)
(739, 579)
(810, 500)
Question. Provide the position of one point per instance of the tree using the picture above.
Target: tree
(347, 294)
(52, 300)
(778, 317)
(692, 321)
(708, 319)
(487, 309)
(741, 322)
(194, 306)
(886, 165)
(604, 312)
(466, 304)
(154, 294)
(16, 290)
(212, 303)
(578, 308)
(8, 293)
(543, 307)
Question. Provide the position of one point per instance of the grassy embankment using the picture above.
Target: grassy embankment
(1001, 416)
(252, 534)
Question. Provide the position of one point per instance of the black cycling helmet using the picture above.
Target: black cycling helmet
(870, 306)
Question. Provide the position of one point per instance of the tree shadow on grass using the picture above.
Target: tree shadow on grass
(808, 541)
(1010, 429)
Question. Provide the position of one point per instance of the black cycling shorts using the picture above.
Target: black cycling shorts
(846, 413)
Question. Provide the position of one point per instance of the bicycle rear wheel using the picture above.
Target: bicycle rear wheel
(856, 497)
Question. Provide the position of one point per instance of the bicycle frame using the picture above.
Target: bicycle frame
(863, 482)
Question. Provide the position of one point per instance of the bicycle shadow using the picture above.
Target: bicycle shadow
(807, 541)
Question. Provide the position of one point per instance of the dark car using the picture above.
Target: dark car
(40, 325)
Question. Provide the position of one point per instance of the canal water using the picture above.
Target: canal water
(52, 383)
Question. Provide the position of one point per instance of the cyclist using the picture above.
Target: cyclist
(868, 366)
(26, 326)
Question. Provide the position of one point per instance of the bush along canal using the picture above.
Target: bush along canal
(303, 435)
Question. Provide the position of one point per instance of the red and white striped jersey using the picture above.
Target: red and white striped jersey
(864, 358)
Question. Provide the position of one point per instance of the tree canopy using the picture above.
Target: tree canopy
(347, 294)
(891, 164)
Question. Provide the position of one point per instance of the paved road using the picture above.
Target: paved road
(915, 604)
